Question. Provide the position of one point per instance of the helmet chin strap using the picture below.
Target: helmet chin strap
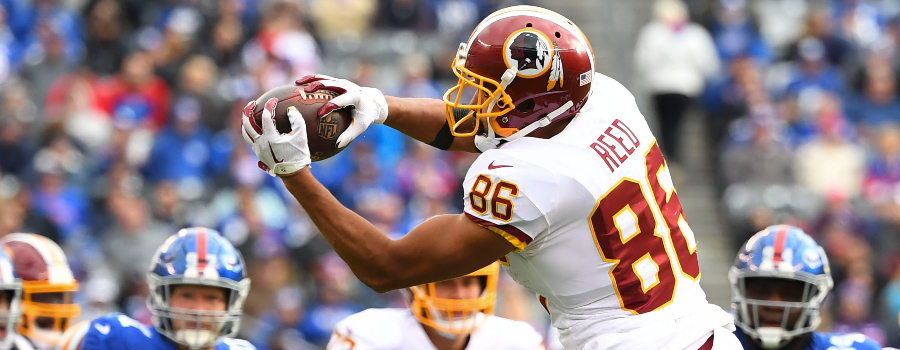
(484, 143)
(507, 78)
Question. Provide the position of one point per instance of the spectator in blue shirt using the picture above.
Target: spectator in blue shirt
(813, 70)
(878, 103)
(335, 282)
(735, 34)
(182, 151)
(55, 196)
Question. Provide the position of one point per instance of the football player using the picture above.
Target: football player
(778, 282)
(571, 189)
(48, 287)
(449, 315)
(197, 288)
(10, 307)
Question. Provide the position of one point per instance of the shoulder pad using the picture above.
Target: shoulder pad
(117, 331)
(22, 343)
(235, 344)
(371, 329)
(502, 332)
(499, 197)
(71, 339)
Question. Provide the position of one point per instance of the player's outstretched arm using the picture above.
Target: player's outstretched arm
(441, 248)
(423, 119)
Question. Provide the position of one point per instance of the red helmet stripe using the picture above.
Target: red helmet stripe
(201, 250)
(780, 238)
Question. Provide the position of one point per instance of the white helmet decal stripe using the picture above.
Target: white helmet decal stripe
(58, 270)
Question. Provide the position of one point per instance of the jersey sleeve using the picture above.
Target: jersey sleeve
(116, 331)
(99, 333)
(508, 196)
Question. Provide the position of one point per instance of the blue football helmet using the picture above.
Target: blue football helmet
(197, 256)
(11, 285)
(789, 254)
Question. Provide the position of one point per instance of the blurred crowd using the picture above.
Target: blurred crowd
(802, 110)
(118, 126)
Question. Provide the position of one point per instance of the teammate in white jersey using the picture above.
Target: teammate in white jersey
(448, 315)
(11, 307)
(571, 189)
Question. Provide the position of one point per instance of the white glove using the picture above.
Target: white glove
(370, 105)
(279, 154)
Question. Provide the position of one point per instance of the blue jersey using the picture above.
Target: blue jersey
(120, 332)
(827, 341)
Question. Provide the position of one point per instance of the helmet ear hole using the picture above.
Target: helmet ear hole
(526, 106)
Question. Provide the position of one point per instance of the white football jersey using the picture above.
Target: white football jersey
(21, 343)
(397, 329)
(599, 230)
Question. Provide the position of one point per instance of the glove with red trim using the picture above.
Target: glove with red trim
(279, 154)
(370, 104)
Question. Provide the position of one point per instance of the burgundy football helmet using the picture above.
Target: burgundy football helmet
(523, 68)
(48, 287)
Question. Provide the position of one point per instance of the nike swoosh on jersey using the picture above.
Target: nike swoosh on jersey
(103, 329)
(492, 166)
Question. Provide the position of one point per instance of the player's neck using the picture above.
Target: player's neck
(443, 343)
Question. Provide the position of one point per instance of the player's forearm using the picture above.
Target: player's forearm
(362, 245)
(422, 119)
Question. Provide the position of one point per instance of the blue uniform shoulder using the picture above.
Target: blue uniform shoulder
(741, 337)
(855, 341)
(234, 344)
(827, 341)
(117, 331)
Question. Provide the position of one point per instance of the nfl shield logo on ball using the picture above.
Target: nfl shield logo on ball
(328, 126)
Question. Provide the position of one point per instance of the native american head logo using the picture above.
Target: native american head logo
(532, 54)
(528, 51)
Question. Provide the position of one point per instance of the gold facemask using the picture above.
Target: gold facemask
(456, 316)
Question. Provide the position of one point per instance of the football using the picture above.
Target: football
(323, 132)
